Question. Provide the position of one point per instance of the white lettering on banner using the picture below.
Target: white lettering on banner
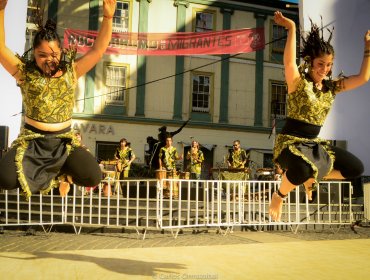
(93, 128)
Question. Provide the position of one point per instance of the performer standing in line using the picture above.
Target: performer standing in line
(167, 160)
(168, 156)
(238, 157)
(306, 158)
(46, 146)
(124, 156)
(196, 157)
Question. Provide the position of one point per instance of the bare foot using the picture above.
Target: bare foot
(63, 188)
(276, 207)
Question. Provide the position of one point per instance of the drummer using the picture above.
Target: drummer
(168, 156)
(237, 157)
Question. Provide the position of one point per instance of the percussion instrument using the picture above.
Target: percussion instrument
(164, 174)
(111, 165)
(185, 175)
(161, 174)
(265, 173)
(107, 189)
(245, 170)
(109, 174)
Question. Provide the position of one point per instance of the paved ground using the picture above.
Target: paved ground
(38, 241)
(320, 254)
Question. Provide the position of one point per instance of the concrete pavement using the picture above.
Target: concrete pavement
(241, 255)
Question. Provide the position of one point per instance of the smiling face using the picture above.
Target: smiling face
(321, 66)
(47, 56)
(236, 145)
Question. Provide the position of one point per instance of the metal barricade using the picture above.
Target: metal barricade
(226, 204)
(41, 210)
(140, 205)
(128, 206)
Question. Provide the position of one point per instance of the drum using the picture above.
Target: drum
(110, 167)
(107, 188)
(185, 175)
(109, 174)
(265, 174)
(160, 174)
(173, 174)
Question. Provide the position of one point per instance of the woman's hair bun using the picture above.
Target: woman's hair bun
(50, 25)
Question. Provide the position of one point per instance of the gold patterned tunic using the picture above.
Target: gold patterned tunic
(49, 100)
(124, 157)
(308, 105)
(169, 155)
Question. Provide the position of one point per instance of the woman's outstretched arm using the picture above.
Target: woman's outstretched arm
(92, 57)
(7, 57)
(363, 76)
(290, 50)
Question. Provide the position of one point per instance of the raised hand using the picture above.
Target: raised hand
(282, 20)
(109, 6)
(3, 4)
(367, 38)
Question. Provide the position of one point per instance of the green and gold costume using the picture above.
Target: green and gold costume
(195, 161)
(48, 100)
(169, 157)
(308, 105)
(238, 158)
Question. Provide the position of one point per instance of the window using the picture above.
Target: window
(30, 35)
(115, 81)
(31, 10)
(201, 92)
(121, 19)
(105, 150)
(278, 100)
(279, 34)
(204, 20)
(31, 28)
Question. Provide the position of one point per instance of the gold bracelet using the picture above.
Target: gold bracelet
(107, 17)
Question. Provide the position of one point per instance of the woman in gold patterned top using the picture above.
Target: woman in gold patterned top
(124, 156)
(46, 147)
(305, 158)
(196, 157)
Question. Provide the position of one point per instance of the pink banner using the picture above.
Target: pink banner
(181, 43)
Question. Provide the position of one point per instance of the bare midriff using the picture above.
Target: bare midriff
(48, 126)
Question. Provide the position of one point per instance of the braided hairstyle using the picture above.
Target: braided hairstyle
(46, 33)
(314, 45)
